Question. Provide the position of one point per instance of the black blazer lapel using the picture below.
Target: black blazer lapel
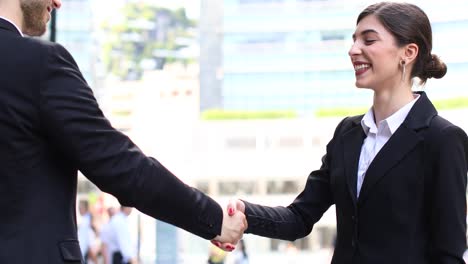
(405, 138)
(402, 142)
(352, 143)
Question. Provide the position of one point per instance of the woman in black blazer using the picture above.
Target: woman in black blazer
(397, 175)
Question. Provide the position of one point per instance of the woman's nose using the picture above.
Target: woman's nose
(354, 50)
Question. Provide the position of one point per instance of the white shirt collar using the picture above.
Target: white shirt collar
(393, 122)
(11, 22)
(368, 123)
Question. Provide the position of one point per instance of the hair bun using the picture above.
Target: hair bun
(435, 68)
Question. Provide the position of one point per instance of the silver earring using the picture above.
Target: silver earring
(403, 64)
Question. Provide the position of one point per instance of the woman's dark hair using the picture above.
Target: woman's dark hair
(409, 24)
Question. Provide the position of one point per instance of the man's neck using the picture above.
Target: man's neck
(12, 12)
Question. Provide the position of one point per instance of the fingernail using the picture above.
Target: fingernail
(230, 211)
(229, 247)
(216, 243)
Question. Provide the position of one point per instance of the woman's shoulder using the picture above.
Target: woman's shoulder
(349, 122)
(440, 126)
(442, 133)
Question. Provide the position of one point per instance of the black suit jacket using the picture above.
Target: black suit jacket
(412, 204)
(51, 127)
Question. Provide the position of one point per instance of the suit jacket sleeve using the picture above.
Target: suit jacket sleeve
(74, 124)
(448, 195)
(296, 220)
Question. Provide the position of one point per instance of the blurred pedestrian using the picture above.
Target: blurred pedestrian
(120, 243)
(216, 255)
(86, 233)
(105, 235)
(240, 253)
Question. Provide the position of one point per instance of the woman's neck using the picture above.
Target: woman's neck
(389, 101)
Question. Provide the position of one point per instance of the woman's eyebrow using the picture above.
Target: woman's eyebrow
(364, 32)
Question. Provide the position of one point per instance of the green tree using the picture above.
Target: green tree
(145, 33)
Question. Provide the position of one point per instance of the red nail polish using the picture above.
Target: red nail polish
(231, 211)
(216, 243)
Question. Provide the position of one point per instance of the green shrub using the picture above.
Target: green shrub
(452, 103)
(216, 114)
(444, 104)
(340, 111)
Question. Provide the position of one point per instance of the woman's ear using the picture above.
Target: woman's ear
(410, 52)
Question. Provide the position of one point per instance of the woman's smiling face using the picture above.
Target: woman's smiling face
(375, 55)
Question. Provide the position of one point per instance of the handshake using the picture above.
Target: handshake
(234, 225)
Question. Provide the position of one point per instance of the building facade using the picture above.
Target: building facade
(292, 54)
(77, 31)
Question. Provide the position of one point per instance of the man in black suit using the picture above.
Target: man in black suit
(51, 127)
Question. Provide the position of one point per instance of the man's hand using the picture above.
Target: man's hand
(234, 225)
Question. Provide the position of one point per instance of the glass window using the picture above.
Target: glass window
(282, 187)
(203, 186)
(237, 187)
(288, 246)
(241, 142)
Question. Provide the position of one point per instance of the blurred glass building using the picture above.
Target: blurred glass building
(292, 54)
(76, 30)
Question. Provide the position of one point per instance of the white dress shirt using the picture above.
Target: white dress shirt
(86, 234)
(377, 136)
(105, 235)
(119, 237)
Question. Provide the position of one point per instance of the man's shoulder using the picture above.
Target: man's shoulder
(31, 56)
(45, 45)
(47, 52)
(29, 45)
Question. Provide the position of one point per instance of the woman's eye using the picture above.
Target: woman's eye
(369, 41)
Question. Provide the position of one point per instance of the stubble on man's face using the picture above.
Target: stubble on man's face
(34, 17)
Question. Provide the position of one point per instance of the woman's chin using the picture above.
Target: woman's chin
(362, 85)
